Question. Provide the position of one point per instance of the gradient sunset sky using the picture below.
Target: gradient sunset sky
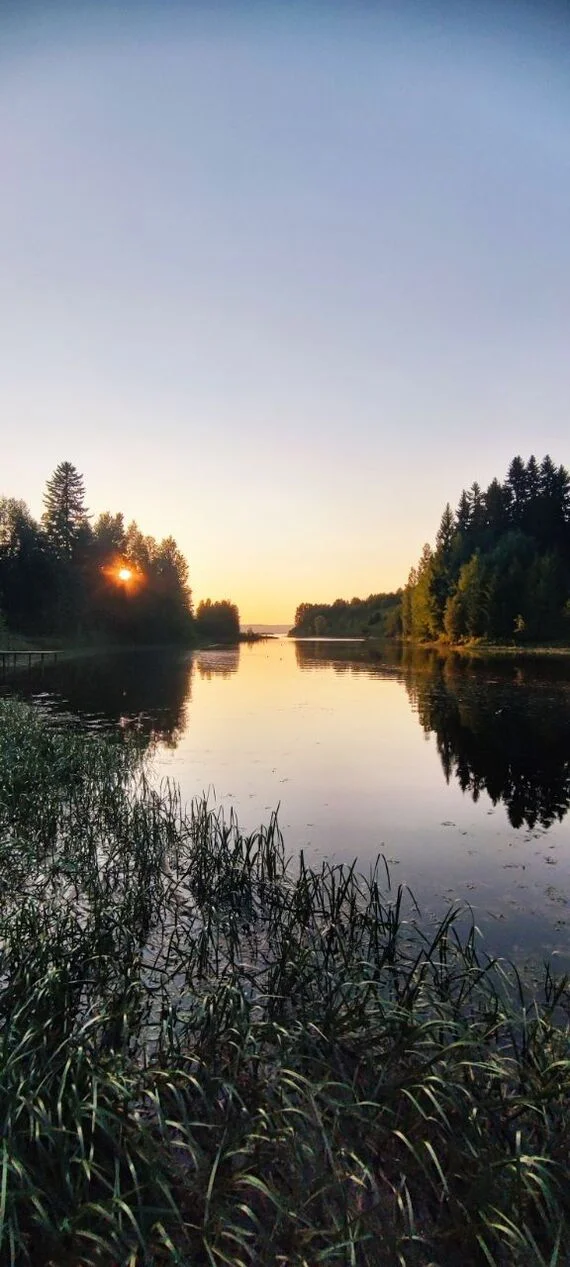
(282, 278)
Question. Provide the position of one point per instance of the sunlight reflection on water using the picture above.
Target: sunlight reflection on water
(459, 773)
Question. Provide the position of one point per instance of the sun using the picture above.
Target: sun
(125, 574)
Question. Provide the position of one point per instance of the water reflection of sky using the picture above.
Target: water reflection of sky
(458, 773)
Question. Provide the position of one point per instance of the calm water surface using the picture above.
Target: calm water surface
(458, 772)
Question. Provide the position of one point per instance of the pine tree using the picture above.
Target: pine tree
(65, 517)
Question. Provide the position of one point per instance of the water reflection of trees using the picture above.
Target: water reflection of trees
(499, 728)
(218, 662)
(347, 657)
(141, 692)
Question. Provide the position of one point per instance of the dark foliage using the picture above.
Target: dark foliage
(501, 565)
(68, 578)
(377, 616)
(217, 622)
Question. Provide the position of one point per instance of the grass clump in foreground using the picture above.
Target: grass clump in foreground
(209, 1057)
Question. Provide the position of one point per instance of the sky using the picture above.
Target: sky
(282, 278)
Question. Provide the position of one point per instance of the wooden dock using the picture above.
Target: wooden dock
(12, 659)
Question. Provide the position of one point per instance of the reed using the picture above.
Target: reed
(212, 1055)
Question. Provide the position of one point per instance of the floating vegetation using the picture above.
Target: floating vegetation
(210, 1055)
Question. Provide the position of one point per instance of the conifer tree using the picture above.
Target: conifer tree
(445, 532)
(440, 580)
(478, 511)
(517, 482)
(532, 478)
(65, 518)
(504, 573)
(497, 506)
(463, 513)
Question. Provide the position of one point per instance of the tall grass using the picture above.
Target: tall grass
(211, 1056)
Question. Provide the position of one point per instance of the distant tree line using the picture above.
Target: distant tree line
(66, 576)
(500, 568)
(377, 616)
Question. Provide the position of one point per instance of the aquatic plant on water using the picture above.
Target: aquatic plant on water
(211, 1055)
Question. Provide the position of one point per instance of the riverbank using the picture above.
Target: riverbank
(73, 649)
(478, 647)
(489, 649)
(210, 1055)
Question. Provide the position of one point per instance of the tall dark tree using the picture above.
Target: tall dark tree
(532, 478)
(478, 511)
(497, 507)
(65, 518)
(445, 532)
(548, 481)
(517, 483)
(530, 519)
(463, 513)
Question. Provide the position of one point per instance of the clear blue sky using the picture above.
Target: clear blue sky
(280, 279)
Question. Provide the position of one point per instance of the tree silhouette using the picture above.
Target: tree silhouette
(218, 620)
(67, 579)
(65, 517)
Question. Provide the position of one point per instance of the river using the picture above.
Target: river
(456, 771)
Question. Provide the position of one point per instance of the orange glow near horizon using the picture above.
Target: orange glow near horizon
(125, 574)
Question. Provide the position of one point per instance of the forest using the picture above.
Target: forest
(500, 568)
(69, 578)
(377, 616)
(499, 571)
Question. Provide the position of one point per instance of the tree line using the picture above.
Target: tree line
(66, 576)
(500, 568)
(376, 616)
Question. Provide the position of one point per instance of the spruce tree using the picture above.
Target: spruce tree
(463, 513)
(478, 510)
(517, 482)
(532, 478)
(497, 506)
(65, 516)
(446, 532)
